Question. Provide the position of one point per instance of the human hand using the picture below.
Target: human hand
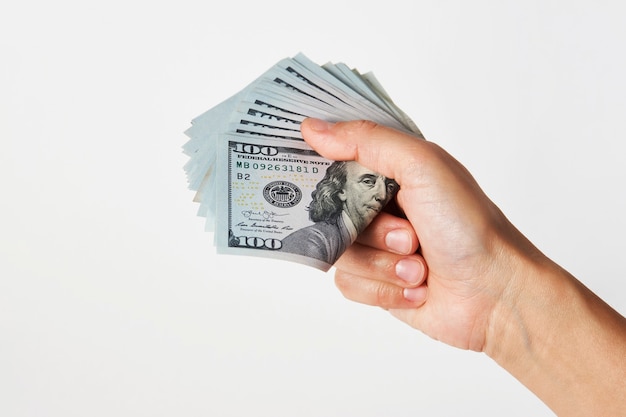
(469, 253)
(475, 282)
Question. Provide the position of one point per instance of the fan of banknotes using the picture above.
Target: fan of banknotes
(262, 189)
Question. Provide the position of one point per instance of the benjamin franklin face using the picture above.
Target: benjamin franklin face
(365, 193)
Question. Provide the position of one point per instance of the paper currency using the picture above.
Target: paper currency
(262, 189)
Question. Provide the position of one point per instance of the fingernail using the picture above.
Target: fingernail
(415, 295)
(398, 241)
(318, 125)
(409, 270)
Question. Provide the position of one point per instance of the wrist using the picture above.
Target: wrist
(512, 321)
(515, 326)
(559, 339)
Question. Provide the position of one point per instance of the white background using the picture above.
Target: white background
(112, 300)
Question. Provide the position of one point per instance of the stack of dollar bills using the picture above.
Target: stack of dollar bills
(262, 189)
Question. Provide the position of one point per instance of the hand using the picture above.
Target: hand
(468, 248)
(476, 282)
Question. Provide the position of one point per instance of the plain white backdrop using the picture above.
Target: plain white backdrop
(112, 299)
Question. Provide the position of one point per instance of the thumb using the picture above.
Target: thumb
(372, 145)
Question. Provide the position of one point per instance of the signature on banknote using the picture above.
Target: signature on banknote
(266, 215)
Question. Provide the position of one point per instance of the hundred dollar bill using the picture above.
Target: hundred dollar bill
(280, 199)
(262, 190)
(361, 87)
(266, 190)
(368, 86)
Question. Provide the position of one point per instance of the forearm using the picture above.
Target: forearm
(561, 341)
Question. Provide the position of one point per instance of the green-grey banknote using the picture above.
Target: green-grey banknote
(263, 190)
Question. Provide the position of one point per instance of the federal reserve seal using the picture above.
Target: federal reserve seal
(282, 194)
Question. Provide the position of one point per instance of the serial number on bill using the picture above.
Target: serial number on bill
(257, 166)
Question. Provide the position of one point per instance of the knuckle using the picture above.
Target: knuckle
(359, 127)
(382, 262)
(385, 296)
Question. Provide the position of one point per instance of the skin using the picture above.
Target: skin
(455, 268)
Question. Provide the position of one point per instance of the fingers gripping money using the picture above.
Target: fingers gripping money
(263, 190)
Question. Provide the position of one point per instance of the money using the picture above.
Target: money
(262, 189)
